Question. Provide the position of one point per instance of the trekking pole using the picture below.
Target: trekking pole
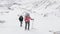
(32, 24)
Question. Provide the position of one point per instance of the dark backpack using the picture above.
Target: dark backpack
(21, 18)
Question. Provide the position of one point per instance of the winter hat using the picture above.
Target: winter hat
(27, 14)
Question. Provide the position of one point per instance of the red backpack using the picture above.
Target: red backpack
(27, 19)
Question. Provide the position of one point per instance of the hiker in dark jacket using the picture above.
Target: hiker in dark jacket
(21, 20)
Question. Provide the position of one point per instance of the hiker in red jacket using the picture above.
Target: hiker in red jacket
(27, 21)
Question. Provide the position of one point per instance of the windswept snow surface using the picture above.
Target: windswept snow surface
(46, 15)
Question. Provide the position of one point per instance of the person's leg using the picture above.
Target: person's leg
(21, 23)
(28, 25)
(25, 25)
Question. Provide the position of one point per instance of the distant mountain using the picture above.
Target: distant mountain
(33, 5)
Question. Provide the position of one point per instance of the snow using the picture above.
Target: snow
(46, 20)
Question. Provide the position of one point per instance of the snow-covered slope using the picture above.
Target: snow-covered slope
(46, 14)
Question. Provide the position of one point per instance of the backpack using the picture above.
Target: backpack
(21, 18)
(27, 19)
